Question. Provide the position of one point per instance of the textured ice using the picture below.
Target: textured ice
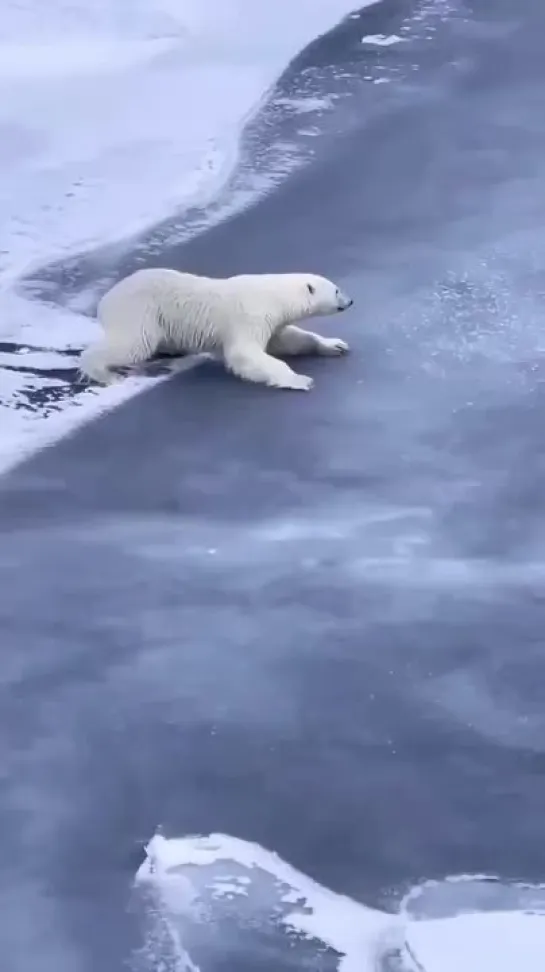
(477, 924)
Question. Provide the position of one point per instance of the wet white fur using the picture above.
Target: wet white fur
(247, 320)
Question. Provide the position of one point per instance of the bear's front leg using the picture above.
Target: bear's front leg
(251, 363)
(292, 340)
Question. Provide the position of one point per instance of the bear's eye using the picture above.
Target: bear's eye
(310, 288)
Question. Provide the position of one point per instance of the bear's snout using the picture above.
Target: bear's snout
(344, 302)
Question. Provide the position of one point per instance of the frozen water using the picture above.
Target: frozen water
(470, 923)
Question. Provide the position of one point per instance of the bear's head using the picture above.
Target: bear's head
(322, 296)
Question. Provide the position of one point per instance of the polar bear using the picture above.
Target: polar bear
(247, 320)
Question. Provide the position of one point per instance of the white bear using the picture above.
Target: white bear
(248, 320)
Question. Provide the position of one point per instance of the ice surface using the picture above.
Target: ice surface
(382, 40)
(118, 113)
(302, 906)
(491, 927)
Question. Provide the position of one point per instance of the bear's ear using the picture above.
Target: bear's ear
(310, 288)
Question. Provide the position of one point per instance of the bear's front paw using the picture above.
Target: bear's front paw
(298, 383)
(333, 346)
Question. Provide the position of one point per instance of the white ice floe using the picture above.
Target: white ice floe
(382, 40)
(475, 924)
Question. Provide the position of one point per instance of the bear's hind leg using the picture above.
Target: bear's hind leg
(292, 340)
(250, 362)
(98, 360)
